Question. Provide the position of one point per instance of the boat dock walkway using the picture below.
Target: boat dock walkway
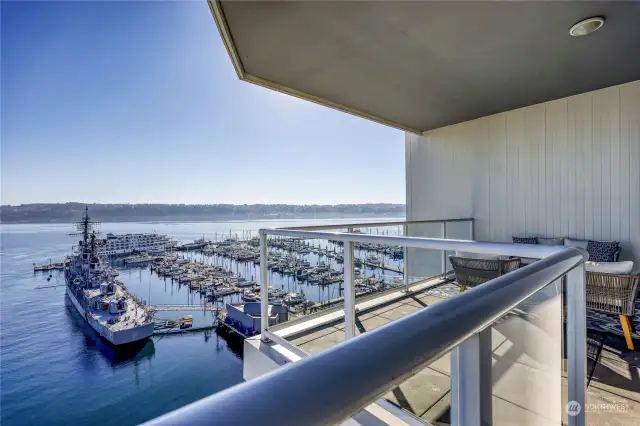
(184, 307)
(184, 330)
(382, 266)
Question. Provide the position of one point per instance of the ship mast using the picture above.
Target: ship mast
(87, 228)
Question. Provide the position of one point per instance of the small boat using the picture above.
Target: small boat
(138, 260)
(315, 278)
(292, 299)
(243, 283)
(373, 260)
(186, 321)
(195, 245)
(249, 296)
(276, 293)
(224, 291)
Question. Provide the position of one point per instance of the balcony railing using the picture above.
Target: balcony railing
(360, 370)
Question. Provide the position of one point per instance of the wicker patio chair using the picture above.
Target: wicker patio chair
(472, 272)
(614, 294)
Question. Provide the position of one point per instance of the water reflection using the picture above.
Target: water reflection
(224, 339)
(232, 341)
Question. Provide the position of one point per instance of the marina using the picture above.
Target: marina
(221, 274)
(225, 270)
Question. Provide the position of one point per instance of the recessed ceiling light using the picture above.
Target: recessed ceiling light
(586, 26)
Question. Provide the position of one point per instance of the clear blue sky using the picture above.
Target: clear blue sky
(127, 102)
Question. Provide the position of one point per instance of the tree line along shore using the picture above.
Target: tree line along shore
(71, 212)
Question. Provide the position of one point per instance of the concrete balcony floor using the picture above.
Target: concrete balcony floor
(613, 393)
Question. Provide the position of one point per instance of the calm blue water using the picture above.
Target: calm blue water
(55, 370)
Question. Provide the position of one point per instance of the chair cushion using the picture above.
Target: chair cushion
(581, 244)
(618, 268)
(551, 241)
(602, 251)
(483, 256)
(525, 240)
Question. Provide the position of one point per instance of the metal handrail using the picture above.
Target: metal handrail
(374, 224)
(331, 386)
(537, 251)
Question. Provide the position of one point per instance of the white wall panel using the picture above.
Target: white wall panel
(569, 167)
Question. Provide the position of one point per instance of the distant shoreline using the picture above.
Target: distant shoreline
(150, 213)
(246, 219)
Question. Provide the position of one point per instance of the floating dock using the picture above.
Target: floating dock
(212, 308)
(52, 266)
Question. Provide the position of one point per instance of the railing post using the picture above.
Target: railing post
(349, 290)
(444, 252)
(471, 382)
(405, 274)
(264, 286)
(576, 344)
(472, 230)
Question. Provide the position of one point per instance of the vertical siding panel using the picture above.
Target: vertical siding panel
(498, 205)
(561, 117)
(605, 116)
(549, 175)
(596, 168)
(425, 151)
(466, 169)
(515, 134)
(579, 110)
(531, 178)
(408, 171)
(436, 154)
(506, 230)
(564, 177)
(575, 149)
(556, 121)
(630, 106)
(624, 167)
(614, 166)
(584, 122)
(553, 135)
(571, 210)
(523, 174)
(490, 160)
(512, 175)
(542, 173)
(479, 131)
(534, 131)
(418, 162)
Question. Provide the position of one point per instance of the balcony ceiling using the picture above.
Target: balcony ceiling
(421, 65)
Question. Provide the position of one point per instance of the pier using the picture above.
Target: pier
(383, 266)
(51, 266)
(184, 330)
